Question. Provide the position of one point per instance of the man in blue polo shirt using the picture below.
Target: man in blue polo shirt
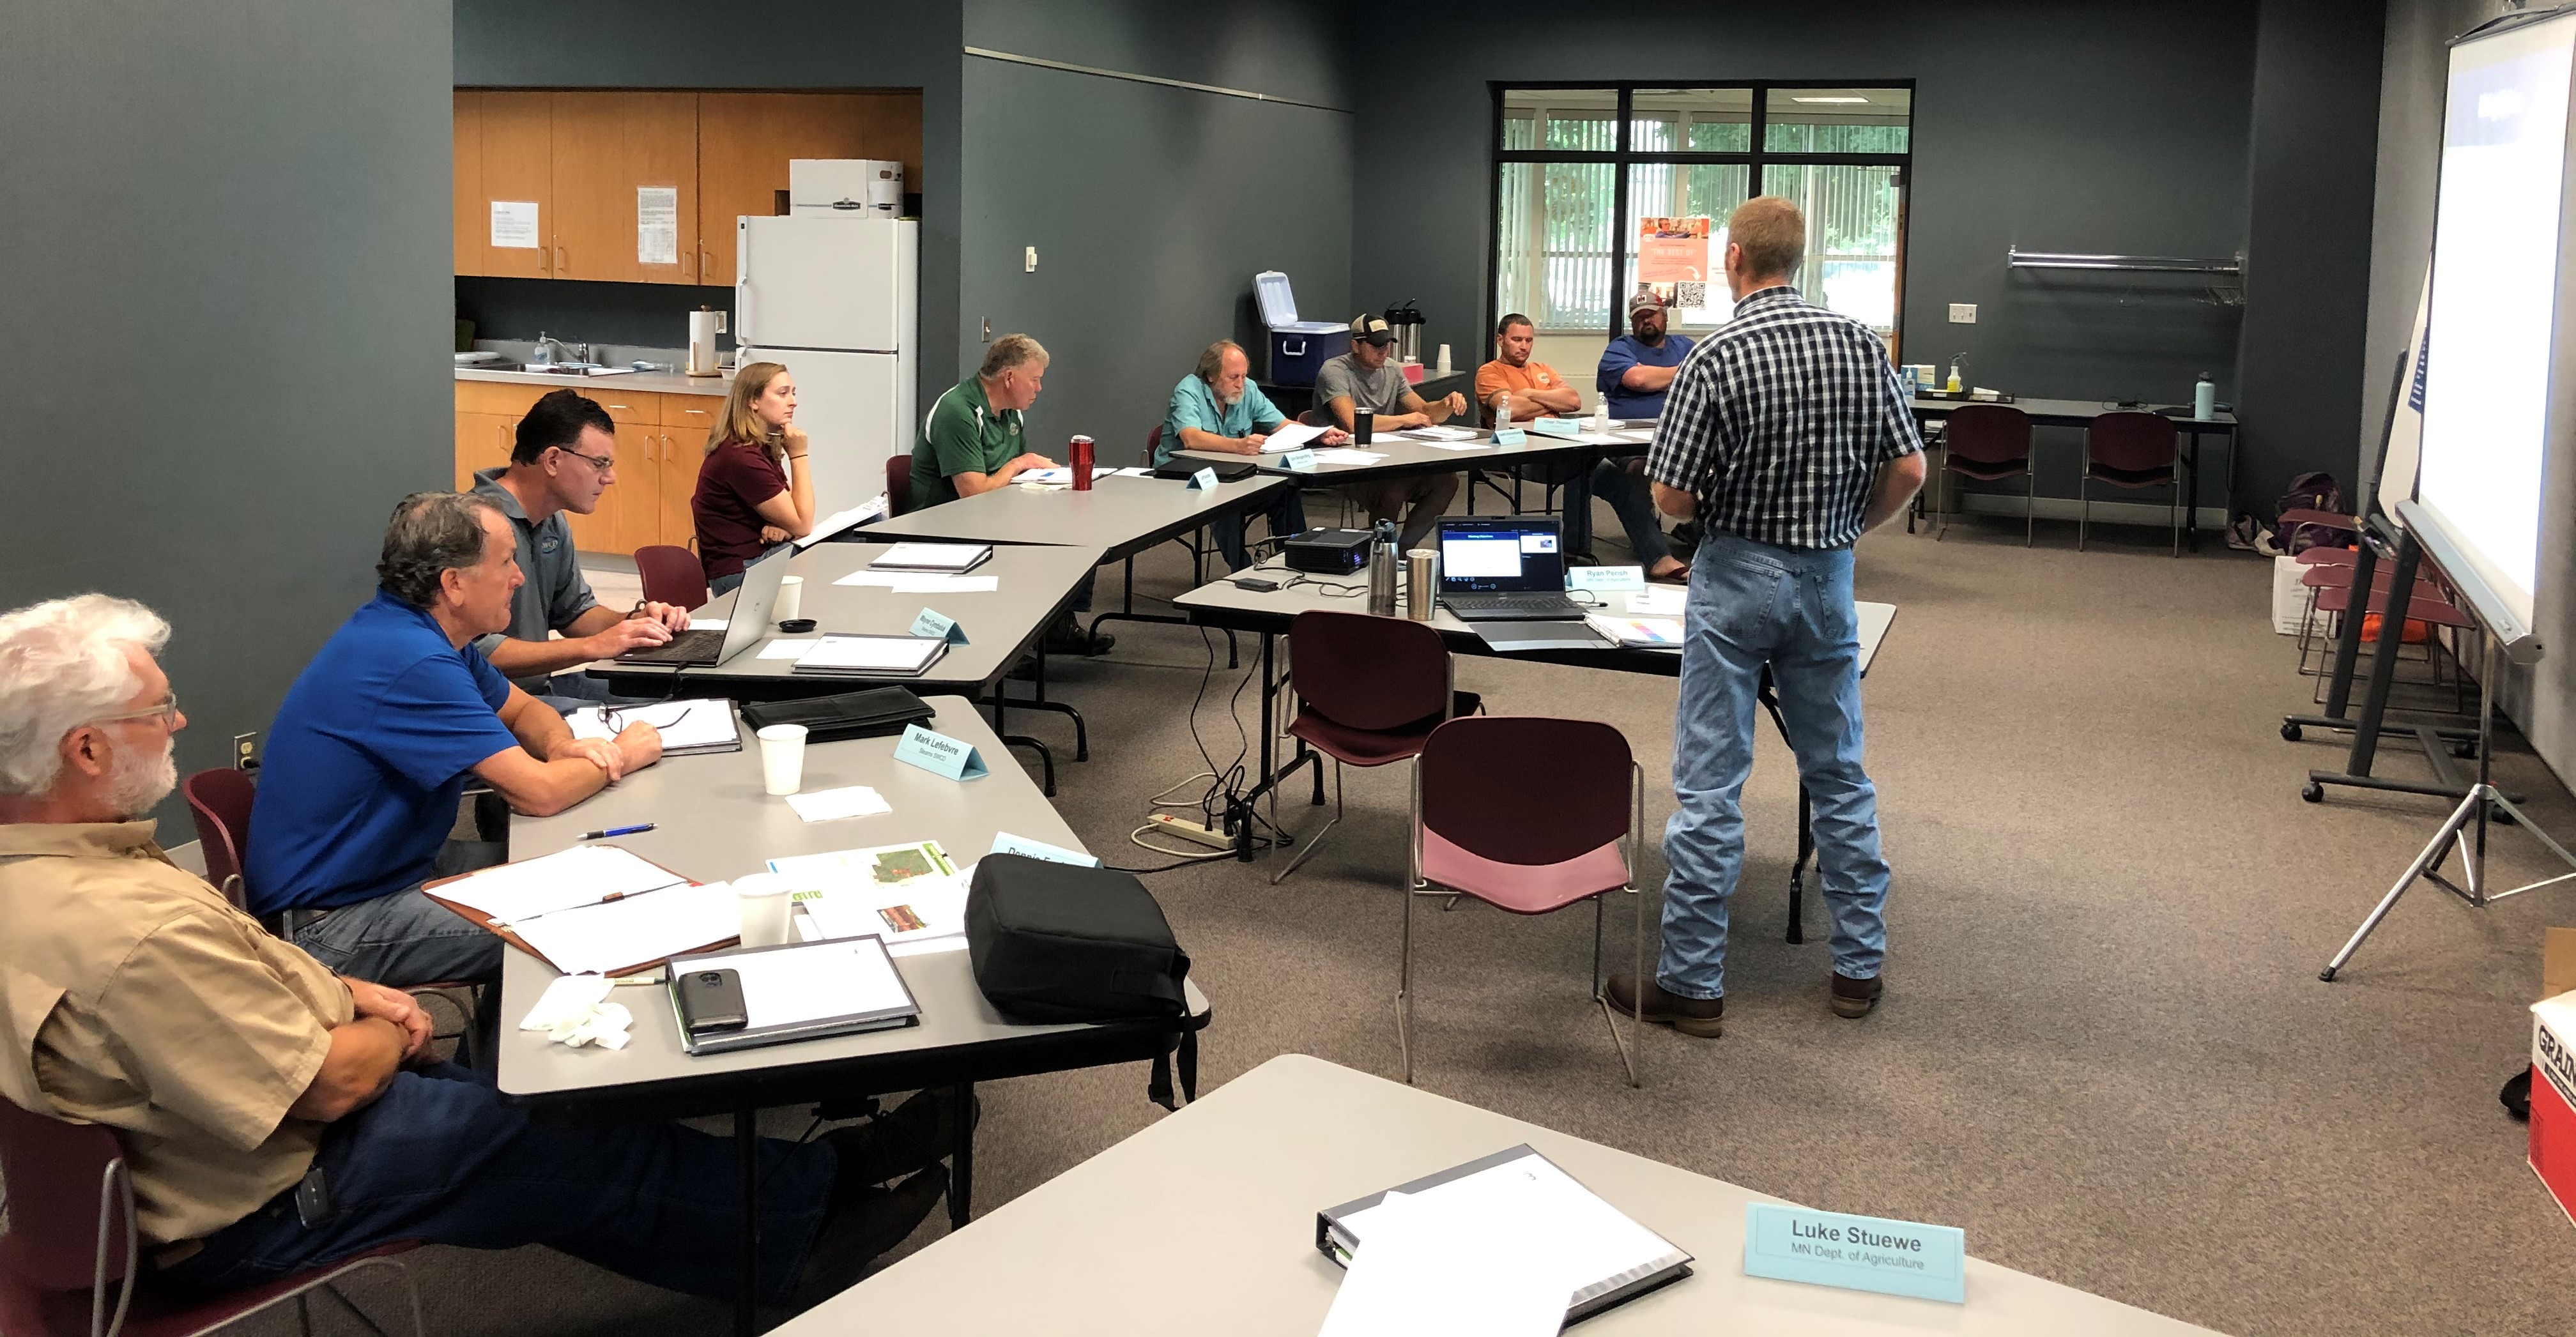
(1218, 407)
(371, 749)
(1639, 366)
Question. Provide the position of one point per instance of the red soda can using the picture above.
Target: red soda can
(1081, 461)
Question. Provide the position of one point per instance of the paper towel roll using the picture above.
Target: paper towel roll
(704, 325)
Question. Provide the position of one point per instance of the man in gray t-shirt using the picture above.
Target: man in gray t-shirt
(1367, 378)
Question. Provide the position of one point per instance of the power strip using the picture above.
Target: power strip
(1187, 830)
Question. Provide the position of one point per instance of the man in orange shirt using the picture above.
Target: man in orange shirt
(1533, 390)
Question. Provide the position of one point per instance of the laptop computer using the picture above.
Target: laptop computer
(1504, 570)
(748, 626)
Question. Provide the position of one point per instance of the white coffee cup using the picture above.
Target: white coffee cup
(763, 903)
(791, 596)
(782, 757)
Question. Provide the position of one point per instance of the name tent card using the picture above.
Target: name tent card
(1203, 481)
(938, 626)
(1006, 843)
(940, 754)
(1509, 436)
(1303, 461)
(1564, 427)
(1603, 578)
(1856, 1253)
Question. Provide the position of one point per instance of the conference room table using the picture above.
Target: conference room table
(1033, 585)
(1178, 1219)
(2080, 412)
(716, 823)
(1121, 515)
(1270, 613)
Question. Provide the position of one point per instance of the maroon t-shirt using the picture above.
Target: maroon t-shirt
(732, 482)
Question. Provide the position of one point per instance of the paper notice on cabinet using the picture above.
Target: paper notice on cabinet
(514, 224)
(657, 225)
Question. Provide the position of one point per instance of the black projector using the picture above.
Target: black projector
(1331, 552)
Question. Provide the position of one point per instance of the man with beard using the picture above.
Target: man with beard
(1638, 367)
(1217, 407)
(234, 1067)
(1529, 388)
(565, 458)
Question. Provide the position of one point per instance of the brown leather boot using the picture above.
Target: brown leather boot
(1853, 998)
(1691, 1016)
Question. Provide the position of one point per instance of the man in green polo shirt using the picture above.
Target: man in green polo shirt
(973, 441)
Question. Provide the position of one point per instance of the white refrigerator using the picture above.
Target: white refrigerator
(837, 299)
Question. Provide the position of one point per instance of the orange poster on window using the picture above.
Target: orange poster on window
(1672, 259)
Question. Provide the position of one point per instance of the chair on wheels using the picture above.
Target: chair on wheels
(1529, 815)
(898, 485)
(219, 802)
(672, 575)
(1989, 443)
(2129, 449)
(1369, 692)
(69, 1250)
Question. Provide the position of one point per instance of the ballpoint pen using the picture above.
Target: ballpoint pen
(617, 831)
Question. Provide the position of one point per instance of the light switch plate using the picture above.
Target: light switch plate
(1031, 265)
(1961, 313)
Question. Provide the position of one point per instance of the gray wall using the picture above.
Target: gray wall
(172, 204)
(2057, 127)
(1151, 207)
(747, 44)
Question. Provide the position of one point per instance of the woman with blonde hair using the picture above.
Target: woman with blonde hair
(754, 487)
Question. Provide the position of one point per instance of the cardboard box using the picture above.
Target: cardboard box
(2557, 962)
(2553, 1083)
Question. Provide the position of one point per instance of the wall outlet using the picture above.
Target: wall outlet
(1030, 265)
(988, 329)
(1963, 313)
(1189, 830)
(244, 753)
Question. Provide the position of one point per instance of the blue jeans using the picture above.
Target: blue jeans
(1287, 516)
(405, 939)
(439, 1158)
(1634, 504)
(1752, 605)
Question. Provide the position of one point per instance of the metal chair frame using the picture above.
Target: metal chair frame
(2084, 487)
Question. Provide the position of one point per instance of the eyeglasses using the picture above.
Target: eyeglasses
(167, 708)
(602, 463)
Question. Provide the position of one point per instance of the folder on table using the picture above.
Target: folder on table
(1621, 1259)
(592, 908)
(881, 656)
(802, 991)
(688, 727)
(952, 558)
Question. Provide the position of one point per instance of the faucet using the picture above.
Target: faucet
(551, 351)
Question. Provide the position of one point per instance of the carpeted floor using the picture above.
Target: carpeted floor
(2104, 1050)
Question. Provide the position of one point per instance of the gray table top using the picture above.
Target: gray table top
(1118, 515)
(1035, 581)
(2075, 412)
(717, 823)
(1220, 603)
(1407, 456)
(1071, 1256)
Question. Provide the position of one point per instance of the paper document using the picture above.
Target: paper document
(1637, 631)
(698, 725)
(817, 980)
(1136, 471)
(881, 865)
(1658, 600)
(825, 805)
(514, 224)
(932, 556)
(1346, 455)
(583, 875)
(786, 647)
(1062, 475)
(840, 520)
(709, 623)
(1592, 1244)
(871, 654)
(641, 928)
(657, 225)
(1462, 445)
(1289, 436)
(909, 916)
(922, 582)
(1441, 433)
(1429, 1266)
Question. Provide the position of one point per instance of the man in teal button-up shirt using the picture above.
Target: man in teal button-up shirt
(1218, 408)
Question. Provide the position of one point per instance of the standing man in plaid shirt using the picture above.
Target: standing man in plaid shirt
(1785, 435)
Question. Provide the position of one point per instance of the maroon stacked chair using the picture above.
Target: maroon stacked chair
(1369, 692)
(1989, 443)
(2129, 449)
(1528, 815)
(68, 1246)
(672, 575)
(898, 484)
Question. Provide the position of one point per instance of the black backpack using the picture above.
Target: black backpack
(1052, 942)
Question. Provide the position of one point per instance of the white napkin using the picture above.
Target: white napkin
(575, 1011)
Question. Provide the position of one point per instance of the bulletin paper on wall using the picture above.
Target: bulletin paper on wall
(1672, 259)
(657, 225)
(514, 224)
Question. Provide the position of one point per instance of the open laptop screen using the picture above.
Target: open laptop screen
(1500, 556)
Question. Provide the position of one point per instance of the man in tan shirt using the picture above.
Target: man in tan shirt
(276, 1116)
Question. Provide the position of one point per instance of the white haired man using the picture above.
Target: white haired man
(235, 1068)
(1218, 407)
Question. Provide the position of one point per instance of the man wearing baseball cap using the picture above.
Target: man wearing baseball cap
(1638, 366)
(1367, 378)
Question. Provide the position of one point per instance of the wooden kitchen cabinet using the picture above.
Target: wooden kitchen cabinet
(468, 169)
(482, 442)
(657, 460)
(744, 142)
(606, 147)
(514, 163)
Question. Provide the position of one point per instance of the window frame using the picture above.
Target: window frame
(1756, 159)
